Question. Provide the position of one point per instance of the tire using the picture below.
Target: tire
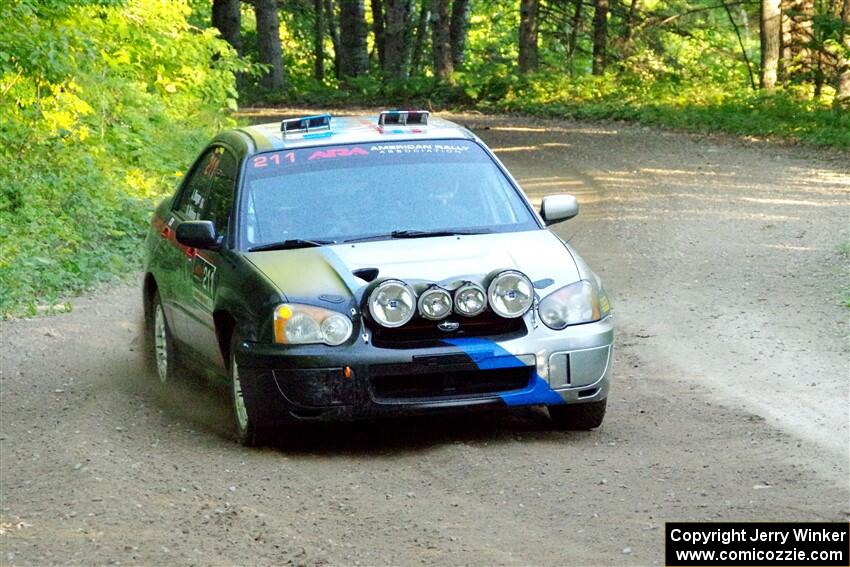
(165, 360)
(578, 417)
(250, 431)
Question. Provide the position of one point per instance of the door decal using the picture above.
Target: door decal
(203, 281)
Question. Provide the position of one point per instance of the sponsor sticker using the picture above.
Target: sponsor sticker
(418, 148)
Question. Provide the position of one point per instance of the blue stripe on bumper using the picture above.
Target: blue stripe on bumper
(488, 355)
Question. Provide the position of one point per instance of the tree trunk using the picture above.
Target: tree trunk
(398, 14)
(410, 35)
(457, 30)
(228, 19)
(600, 36)
(771, 42)
(334, 33)
(802, 35)
(785, 44)
(319, 40)
(268, 43)
(842, 87)
(634, 7)
(529, 12)
(379, 29)
(441, 40)
(572, 42)
(797, 34)
(353, 54)
(420, 38)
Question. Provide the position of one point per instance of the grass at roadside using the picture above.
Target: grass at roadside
(791, 115)
(778, 116)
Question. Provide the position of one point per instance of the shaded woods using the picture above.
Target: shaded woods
(467, 51)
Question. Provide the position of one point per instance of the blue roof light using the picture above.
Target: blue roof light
(306, 124)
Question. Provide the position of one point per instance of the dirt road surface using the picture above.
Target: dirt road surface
(730, 399)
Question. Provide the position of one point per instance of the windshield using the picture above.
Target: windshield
(339, 193)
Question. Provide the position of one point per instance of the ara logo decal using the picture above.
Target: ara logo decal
(337, 152)
(448, 326)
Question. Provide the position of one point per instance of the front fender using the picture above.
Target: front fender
(248, 296)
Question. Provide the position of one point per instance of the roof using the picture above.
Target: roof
(352, 130)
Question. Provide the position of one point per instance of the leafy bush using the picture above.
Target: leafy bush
(103, 105)
(650, 96)
(691, 105)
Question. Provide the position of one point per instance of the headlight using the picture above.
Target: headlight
(296, 324)
(392, 303)
(470, 300)
(510, 294)
(576, 303)
(435, 303)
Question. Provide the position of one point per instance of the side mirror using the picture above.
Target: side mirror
(197, 234)
(557, 208)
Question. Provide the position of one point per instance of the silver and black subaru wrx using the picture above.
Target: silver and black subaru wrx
(370, 266)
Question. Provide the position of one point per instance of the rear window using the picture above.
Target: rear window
(355, 191)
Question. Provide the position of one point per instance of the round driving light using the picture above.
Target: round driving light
(336, 329)
(435, 303)
(470, 300)
(392, 303)
(511, 294)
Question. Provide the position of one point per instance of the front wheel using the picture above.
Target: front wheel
(578, 417)
(163, 350)
(249, 431)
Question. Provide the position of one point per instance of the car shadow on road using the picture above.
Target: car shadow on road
(416, 433)
(206, 408)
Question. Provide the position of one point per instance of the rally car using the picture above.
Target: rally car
(359, 267)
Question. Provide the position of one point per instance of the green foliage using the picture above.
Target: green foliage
(689, 105)
(103, 105)
(645, 95)
(682, 67)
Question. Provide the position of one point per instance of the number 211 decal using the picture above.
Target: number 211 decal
(273, 159)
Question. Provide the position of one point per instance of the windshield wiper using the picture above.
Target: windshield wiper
(427, 233)
(419, 234)
(290, 244)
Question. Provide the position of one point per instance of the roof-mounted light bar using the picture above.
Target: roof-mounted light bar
(306, 124)
(403, 117)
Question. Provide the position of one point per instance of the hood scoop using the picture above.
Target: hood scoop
(366, 274)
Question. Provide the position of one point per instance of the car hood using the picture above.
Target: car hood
(330, 271)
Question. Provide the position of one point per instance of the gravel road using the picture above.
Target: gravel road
(730, 399)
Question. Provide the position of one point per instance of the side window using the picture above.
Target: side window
(220, 200)
(193, 200)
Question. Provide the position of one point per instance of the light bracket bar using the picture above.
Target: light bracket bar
(404, 117)
(306, 124)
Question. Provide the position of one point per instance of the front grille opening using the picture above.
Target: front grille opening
(450, 384)
(421, 332)
(588, 393)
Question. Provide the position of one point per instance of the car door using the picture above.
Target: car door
(189, 204)
(203, 274)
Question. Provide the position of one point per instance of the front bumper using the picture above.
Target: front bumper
(359, 380)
